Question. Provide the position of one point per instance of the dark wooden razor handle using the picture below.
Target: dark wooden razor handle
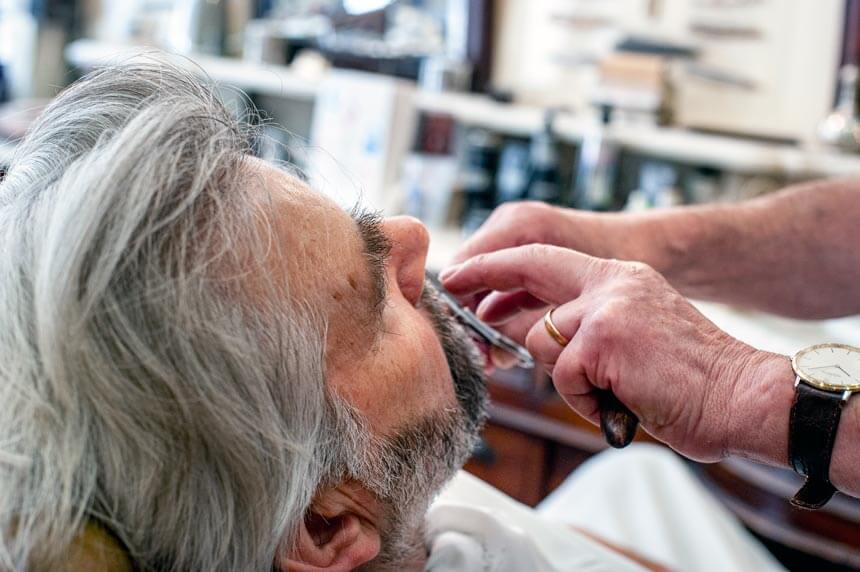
(617, 423)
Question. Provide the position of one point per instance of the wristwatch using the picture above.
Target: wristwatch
(826, 376)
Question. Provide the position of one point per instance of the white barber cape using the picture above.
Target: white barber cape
(642, 498)
(473, 527)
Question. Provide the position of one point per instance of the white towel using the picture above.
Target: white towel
(642, 498)
(473, 527)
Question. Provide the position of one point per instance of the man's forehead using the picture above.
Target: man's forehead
(323, 254)
(287, 191)
(307, 225)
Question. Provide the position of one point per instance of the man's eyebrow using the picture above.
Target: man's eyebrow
(377, 248)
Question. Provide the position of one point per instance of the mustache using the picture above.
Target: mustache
(465, 360)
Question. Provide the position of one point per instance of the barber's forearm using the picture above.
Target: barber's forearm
(759, 418)
(792, 253)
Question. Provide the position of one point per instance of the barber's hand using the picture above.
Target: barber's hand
(629, 331)
(530, 222)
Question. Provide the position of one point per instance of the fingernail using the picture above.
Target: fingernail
(482, 307)
(448, 272)
(502, 359)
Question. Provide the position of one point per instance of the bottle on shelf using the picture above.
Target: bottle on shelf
(4, 92)
(512, 181)
(430, 170)
(478, 179)
(544, 179)
(841, 128)
(594, 184)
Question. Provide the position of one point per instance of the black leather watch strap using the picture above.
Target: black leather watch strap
(812, 433)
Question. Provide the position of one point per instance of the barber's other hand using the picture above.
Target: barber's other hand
(629, 331)
(530, 222)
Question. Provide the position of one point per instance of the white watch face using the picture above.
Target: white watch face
(829, 366)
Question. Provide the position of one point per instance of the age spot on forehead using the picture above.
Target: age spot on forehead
(353, 283)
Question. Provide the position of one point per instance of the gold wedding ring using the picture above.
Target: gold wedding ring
(553, 331)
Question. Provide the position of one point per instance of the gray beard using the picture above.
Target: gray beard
(407, 470)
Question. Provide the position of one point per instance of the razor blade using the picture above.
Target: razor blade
(483, 331)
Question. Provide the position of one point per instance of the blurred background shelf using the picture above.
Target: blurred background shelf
(730, 153)
(6, 150)
(275, 80)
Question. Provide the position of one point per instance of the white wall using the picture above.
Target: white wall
(542, 47)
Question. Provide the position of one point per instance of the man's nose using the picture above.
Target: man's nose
(409, 243)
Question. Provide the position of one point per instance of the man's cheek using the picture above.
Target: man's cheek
(421, 357)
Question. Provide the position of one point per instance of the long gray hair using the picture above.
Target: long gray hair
(136, 387)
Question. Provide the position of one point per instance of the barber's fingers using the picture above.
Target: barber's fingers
(518, 328)
(485, 239)
(511, 224)
(567, 364)
(512, 313)
(502, 307)
(571, 379)
(545, 349)
(472, 301)
(502, 359)
(550, 273)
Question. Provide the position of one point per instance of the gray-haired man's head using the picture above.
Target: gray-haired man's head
(199, 352)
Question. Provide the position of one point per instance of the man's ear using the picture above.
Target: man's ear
(339, 532)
